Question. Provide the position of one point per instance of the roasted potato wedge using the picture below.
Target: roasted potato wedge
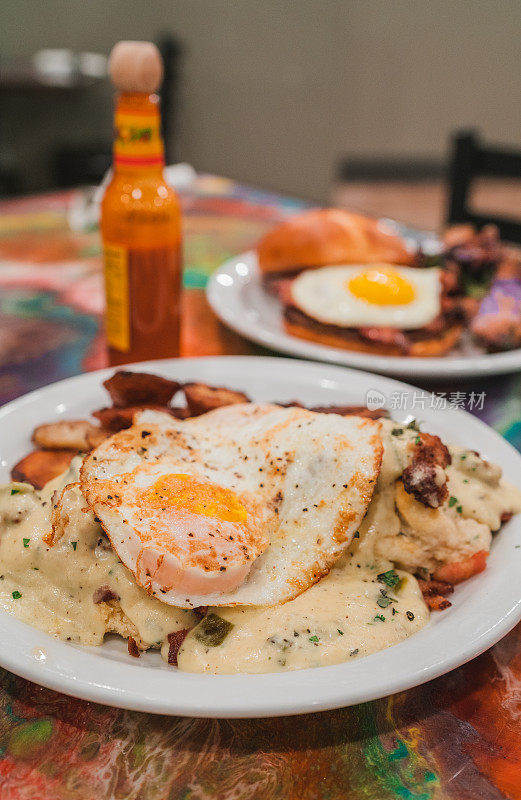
(97, 436)
(72, 434)
(140, 388)
(202, 398)
(116, 419)
(42, 466)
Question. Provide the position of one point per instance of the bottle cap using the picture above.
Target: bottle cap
(136, 67)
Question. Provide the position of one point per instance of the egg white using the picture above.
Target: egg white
(323, 294)
(312, 476)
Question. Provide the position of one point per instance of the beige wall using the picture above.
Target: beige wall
(276, 91)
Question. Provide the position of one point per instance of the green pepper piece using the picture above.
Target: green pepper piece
(212, 630)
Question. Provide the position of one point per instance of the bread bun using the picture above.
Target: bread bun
(321, 237)
(430, 347)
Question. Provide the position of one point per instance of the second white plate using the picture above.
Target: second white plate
(237, 296)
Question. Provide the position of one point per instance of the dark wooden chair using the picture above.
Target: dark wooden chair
(470, 160)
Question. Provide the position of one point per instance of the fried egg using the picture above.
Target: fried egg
(246, 505)
(382, 295)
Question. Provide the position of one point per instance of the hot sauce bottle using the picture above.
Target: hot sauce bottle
(140, 218)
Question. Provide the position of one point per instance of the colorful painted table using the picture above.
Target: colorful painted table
(458, 737)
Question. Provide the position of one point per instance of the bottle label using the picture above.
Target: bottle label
(137, 139)
(117, 293)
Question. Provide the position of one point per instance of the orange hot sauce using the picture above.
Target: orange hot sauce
(140, 218)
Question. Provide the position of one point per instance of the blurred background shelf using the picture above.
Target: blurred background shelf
(276, 94)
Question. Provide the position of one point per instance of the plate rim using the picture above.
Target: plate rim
(243, 696)
(481, 365)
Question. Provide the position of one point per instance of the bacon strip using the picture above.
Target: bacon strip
(437, 603)
(435, 593)
(386, 336)
(133, 649)
(175, 640)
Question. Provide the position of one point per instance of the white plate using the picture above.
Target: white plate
(237, 296)
(485, 608)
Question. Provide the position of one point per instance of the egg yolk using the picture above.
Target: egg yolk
(204, 499)
(382, 287)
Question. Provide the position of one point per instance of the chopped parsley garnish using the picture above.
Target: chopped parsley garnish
(379, 617)
(409, 615)
(459, 509)
(357, 535)
(390, 578)
(418, 440)
(15, 491)
(313, 639)
(74, 545)
(17, 595)
(26, 542)
(396, 431)
(413, 425)
(384, 601)
(452, 501)
(340, 633)
(463, 457)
